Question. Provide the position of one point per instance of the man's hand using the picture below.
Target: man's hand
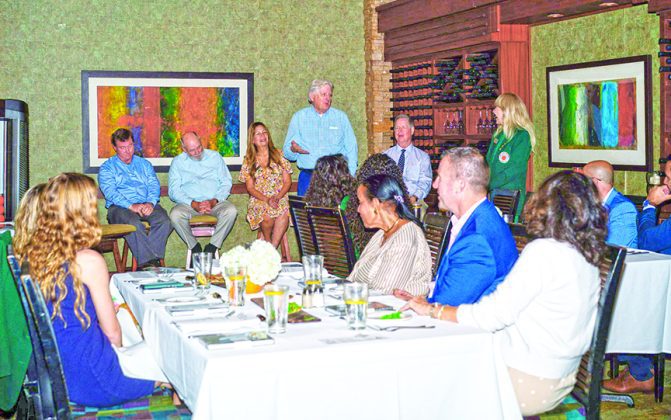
(658, 195)
(137, 208)
(147, 209)
(297, 149)
(202, 207)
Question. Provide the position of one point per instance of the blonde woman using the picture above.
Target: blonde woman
(26, 216)
(511, 146)
(267, 176)
(75, 284)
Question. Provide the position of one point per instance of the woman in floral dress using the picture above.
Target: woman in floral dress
(267, 176)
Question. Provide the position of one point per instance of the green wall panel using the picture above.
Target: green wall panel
(46, 44)
(621, 33)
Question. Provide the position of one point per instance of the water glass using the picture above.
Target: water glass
(312, 269)
(356, 305)
(202, 268)
(276, 304)
(236, 279)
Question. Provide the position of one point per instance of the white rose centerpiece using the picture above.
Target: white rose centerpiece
(262, 260)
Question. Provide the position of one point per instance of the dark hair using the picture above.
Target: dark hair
(386, 189)
(567, 208)
(121, 134)
(377, 164)
(330, 183)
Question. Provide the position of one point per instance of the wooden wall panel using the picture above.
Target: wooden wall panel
(409, 12)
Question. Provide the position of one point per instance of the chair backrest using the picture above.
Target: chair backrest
(299, 216)
(506, 201)
(45, 382)
(436, 230)
(332, 238)
(522, 219)
(520, 235)
(587, 389)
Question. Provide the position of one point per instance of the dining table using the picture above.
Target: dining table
(320, 369)
(641, 320)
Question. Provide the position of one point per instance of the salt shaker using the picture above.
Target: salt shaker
(313, 296)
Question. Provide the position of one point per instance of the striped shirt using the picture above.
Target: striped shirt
(402, 262)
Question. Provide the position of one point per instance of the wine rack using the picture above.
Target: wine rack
(450, 100)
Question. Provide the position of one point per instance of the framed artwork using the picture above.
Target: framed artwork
(601, 110)
(159, 107)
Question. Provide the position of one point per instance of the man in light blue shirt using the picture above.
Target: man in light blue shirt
(622, 213)
(317, 131)
(414, 163)
(199, 182)
(132, 192)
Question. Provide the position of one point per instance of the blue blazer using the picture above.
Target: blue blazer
(652, 236)
(622, 216)
(479, 259)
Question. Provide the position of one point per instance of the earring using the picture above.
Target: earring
(375, 212)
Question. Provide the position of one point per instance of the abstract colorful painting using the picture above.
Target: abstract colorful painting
(600, 110)
(158, 108)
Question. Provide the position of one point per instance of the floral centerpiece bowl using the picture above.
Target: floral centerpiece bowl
(262, 260)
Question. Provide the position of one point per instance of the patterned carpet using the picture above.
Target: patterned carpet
(645, 406)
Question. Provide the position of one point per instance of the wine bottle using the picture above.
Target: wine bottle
(665, 40)
(664, 54)
(664, 69)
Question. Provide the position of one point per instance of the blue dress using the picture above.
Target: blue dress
(91, 367)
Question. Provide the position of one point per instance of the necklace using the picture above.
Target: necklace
(392, 225)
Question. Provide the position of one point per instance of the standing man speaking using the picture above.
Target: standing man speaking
(319, 130)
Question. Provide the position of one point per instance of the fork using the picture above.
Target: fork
(393, 328)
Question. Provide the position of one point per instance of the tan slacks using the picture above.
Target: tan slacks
(537, 395)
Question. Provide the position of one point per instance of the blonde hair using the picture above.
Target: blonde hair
(26, 218)
(68, 222)
(515, 117)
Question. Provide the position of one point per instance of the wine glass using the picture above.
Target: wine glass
(480, 124)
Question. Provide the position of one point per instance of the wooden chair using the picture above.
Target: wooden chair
(109, 243)
(45, 394)
(519, 232)
(437, 232)
(506, 201)
(332, 238)
(299, 217)
(202, 226)
(587, 390)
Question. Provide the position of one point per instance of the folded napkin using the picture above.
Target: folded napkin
(204, 309)
(235, 322)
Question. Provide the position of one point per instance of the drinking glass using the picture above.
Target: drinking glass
(202, 268)
(236, 279)
(312, 269)
(276, 304)
(356, 305)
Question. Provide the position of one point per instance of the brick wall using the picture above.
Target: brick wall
(378, 97)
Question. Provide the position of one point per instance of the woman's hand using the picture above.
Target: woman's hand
(402, 294)
(419, 305)
(274, 202)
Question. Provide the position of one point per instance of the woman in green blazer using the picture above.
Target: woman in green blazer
(511, 146)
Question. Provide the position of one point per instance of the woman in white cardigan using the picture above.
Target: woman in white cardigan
(543, 313)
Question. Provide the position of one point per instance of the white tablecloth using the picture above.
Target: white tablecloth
(642, 315)
(447, 372)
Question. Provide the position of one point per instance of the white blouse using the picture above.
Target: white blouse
(543, 313)
(402, 262)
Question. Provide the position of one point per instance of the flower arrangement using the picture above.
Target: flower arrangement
(261, 258)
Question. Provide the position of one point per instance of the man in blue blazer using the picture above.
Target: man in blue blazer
(657, 238)
(481, 250)
(622, 213)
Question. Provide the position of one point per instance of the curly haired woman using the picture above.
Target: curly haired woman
(544, 312)
(75, 283)
(26, 218)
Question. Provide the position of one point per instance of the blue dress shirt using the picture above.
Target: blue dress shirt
(126, 184)
(417, 172)
(198, 180)
(622, 216)
(652, 236)
(322, 135)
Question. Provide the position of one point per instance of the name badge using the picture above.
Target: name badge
(504, 157)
